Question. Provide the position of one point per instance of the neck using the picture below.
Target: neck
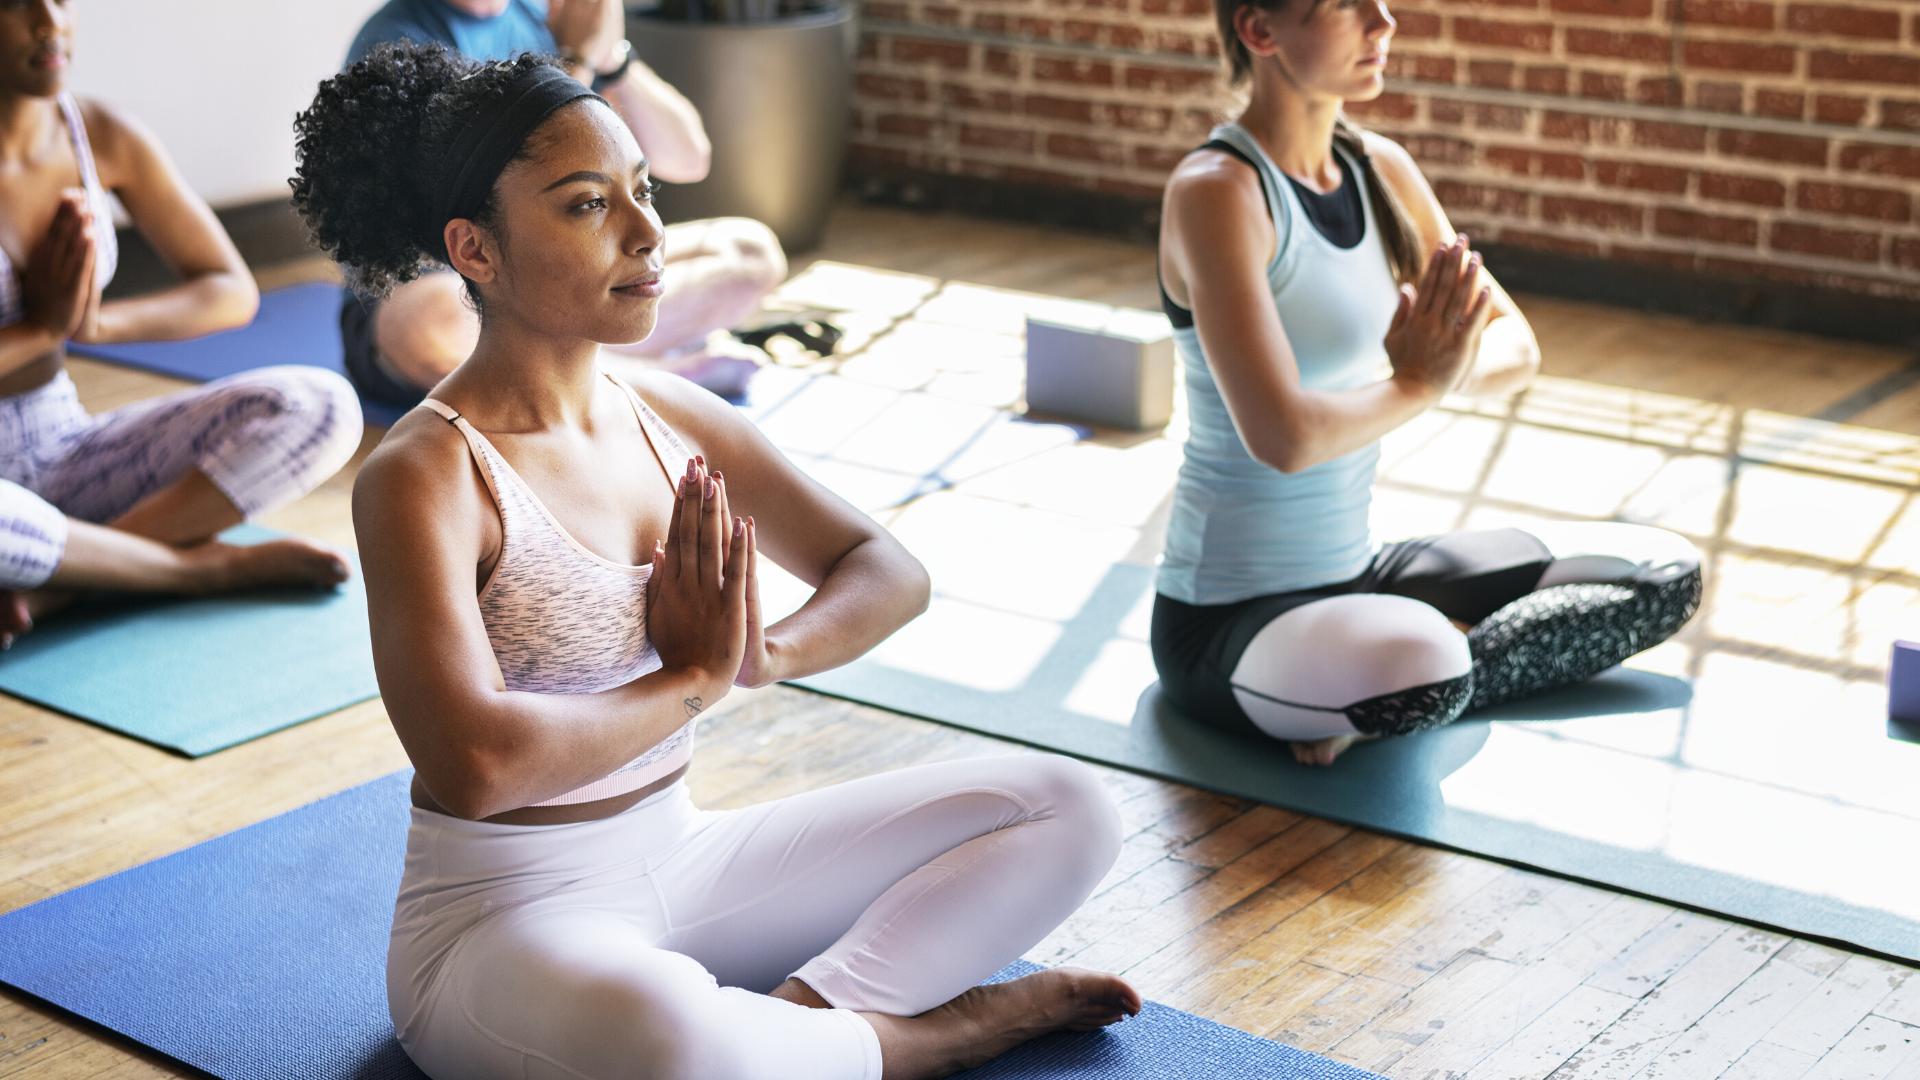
(1295, 128)
(25, 123)
(519, 379)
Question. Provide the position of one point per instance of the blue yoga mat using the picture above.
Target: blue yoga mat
(261, 955)
(201, 674)
(299, 324)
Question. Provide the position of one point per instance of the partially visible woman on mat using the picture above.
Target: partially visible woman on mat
(174, 470)
(560, 585)
(1301, 257)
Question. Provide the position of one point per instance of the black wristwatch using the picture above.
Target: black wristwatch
(604, 79)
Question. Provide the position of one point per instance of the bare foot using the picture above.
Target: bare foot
(1323, 751)
(15, 619)
(987, 1021)
(292, 561)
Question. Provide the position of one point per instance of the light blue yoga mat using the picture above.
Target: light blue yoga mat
(1629, 781)
(261, 955)
(299, 324)
(200, 674)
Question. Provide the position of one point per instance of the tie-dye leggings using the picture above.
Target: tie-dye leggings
(264, 437)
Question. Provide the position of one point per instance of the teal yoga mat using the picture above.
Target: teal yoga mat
(1632, 780)
(198, 675)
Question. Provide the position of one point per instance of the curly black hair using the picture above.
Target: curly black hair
(369, 150)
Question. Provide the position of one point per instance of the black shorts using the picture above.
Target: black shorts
(360, 357)
(1466, 575)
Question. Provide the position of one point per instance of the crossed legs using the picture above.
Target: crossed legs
(835, 934)
(1436, 628)
(131, 499)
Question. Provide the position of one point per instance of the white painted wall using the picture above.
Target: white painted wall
(218, 80)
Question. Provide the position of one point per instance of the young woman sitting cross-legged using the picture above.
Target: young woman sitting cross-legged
(561, 573)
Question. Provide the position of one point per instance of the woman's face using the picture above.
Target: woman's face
(1335, 48)
(36, 45)
(581, 246)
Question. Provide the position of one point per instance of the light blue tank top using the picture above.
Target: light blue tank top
(1239, 528)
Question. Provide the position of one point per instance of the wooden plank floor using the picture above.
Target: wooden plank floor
(1414, 962)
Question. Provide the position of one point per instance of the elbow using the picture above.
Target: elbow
(239, 300)
(916, 587)
(688, 167)
(1288, 457)
(472, 787)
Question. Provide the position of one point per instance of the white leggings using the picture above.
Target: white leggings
(1304, 672)
(644, 944)
(264, 437)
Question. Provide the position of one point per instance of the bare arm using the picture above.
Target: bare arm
(1508, 356)
(1216, 240)
(425, 524)
(664, 122)
(866, 585)
(217, 291)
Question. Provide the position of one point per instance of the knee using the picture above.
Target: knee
(1605, 552)
(33, 538)
(756, 251)
(1069, 792)
(1335, 652)
(330, 408)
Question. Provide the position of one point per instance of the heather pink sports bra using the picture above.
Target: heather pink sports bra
(563, 620)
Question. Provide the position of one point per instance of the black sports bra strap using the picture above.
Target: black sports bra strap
(1181, 317)
(1227, 147)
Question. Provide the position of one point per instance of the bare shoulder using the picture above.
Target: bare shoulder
(1395, 166)
(122, 144)
(704, 421)
(422, 466)
(1205, 176)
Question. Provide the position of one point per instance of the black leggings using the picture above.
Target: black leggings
(1379, 655)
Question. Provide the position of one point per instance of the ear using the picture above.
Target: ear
(471, 250)
(1254, 27)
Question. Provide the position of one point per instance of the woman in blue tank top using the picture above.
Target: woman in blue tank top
(1300, 259)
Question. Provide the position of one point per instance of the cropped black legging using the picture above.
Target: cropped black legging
(1382, 654)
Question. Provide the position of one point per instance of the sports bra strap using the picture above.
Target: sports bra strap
(476, 444)
(1182, 317)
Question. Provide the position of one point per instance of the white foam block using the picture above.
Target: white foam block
(1111, 366)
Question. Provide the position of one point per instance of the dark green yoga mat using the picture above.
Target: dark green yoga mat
(200, 674)
(1632, 780)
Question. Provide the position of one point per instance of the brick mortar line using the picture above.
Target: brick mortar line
(1794, 260)
(1027, 41)
(1622, 110)
(1474, 94)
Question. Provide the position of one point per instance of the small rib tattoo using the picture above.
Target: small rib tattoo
(694, 705)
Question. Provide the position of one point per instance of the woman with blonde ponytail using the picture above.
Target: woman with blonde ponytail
(1300, 258)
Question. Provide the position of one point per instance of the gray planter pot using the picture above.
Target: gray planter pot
(775, 97)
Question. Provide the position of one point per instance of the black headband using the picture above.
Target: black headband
(493, 134)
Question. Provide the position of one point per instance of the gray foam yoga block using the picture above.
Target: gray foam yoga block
(1111, 366)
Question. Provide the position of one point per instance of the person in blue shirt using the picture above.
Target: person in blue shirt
(717, 270)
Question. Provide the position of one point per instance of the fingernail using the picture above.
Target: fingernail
(713, 490)
(1476, 259)
(739, 527)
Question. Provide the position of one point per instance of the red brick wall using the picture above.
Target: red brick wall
(1763, 138)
